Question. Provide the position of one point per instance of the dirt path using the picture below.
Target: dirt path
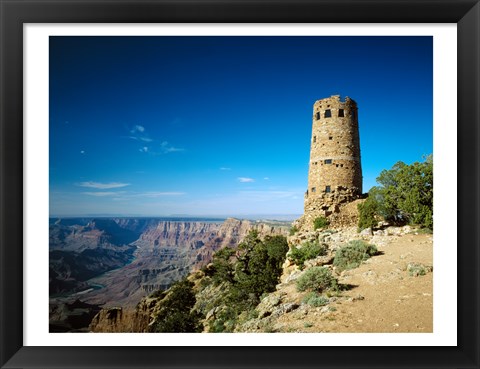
(383, 297)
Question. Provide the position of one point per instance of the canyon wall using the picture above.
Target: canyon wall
(115, 262)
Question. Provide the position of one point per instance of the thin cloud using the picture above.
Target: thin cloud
(158, 194)
(101, 194)
(245, 180)
(225, 168)
(167, 148)
(123, 195)
(138, 128)
(266, 178)
(138, 133)
(102, 186)
(141, 138)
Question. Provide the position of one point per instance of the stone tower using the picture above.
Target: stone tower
(335, 171)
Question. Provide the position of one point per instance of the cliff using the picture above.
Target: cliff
(166, 251)
(377, 285)
(91, 260)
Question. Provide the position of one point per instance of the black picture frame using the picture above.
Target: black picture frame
(15, 13)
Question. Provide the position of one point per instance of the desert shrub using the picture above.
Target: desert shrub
(175, 312)
(316, 279)
(417, 269)
(366, 214)
(316, 300)
(423, 231)
(307, 251)
(244, 273)
(352, 255)
(158, 294)
(258, 269)
(221, 268)
(293, 230)
(320, 222)
(250, 270)
(224, 322)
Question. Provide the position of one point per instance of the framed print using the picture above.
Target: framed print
(189, 193)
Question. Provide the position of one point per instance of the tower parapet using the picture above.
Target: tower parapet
(335, 171)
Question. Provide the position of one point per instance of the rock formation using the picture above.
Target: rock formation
(99, 262)
(168, 251)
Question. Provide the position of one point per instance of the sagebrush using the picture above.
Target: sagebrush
(320, 222)
(307, 251)
(317, 279)
(316, 300)
(353, 254)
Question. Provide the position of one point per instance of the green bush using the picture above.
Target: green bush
(175, 312)
(423, 231)
(317, 279)
(307, 251)
(417, 269)
(405, 194)
(352, 255)
(249, 270)
(224, 322)
(158, 294)
(320, 222)
(316, 300)
(366, 214)
(259, 266)
(221, 270)
(293, 230)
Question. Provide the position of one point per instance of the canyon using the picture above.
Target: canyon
(115, 262)
(383, 294)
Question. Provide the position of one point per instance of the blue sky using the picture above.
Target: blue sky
(221, 126)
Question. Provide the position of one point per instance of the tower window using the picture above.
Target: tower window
(317, 115)
(328, 161)
(341, 113)
(327, 189)
(314, 138)
(328, 113)
(314, 189)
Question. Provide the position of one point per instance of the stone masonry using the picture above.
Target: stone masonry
(335, 172)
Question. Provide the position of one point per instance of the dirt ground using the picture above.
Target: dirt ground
(383, 296)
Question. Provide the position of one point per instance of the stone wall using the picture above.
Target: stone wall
(335, 172)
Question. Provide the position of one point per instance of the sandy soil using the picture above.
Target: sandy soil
(383, 296)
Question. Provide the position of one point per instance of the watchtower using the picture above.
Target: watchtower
(335, 171)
